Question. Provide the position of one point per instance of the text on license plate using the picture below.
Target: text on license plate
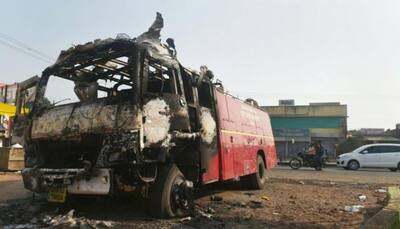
(57, 195)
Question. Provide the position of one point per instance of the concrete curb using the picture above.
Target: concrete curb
(388, 217)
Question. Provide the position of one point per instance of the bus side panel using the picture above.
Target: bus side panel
(245, 137)
(252, 135)
(244, 131)
(225, 146)
(238, 137)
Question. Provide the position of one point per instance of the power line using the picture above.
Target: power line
(23, 45)
(24, 51)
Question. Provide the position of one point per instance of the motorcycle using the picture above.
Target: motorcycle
(307, 160)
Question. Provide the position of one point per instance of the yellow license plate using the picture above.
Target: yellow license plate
(57, 195)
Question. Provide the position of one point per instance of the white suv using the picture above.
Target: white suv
(375, 155)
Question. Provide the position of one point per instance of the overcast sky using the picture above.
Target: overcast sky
(308, 50)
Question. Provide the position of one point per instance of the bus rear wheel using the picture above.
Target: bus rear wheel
(256, 180)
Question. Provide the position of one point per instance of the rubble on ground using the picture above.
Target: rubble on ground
(362, 197)
(286, 201)
(354, 208)
(381, 190)
(52, 219)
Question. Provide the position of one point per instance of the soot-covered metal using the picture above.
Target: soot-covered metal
(152, 111)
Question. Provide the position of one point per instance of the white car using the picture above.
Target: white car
(383, 155)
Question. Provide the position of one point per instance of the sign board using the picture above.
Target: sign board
(293, 133)
(372, 131)
(286, 102)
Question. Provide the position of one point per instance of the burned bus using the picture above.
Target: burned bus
(143, 123)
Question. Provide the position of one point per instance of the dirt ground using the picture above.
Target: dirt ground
(284, 203)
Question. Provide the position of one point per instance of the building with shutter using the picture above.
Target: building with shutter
(295, 126)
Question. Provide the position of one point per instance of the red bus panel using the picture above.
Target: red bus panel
(243, 132)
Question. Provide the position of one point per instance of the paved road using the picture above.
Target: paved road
(373, 176)
(11, 186)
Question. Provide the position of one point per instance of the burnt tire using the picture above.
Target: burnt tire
(353, 165)
(168, 198)
(295, 163)
(257, 180)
